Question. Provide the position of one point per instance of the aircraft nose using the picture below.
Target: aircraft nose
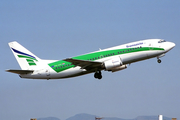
(173, 45)
(170, 46)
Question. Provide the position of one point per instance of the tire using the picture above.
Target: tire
(100, 77)
(159, 61)
(95, 75)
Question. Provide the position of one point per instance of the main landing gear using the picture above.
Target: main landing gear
(98, 75)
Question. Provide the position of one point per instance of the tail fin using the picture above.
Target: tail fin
(26, 59)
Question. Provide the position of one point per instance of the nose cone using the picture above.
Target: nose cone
(173, 45)
(169, 46)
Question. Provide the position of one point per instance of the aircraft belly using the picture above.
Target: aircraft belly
(53, 75)
(34, 76)
(133, 57)
(154, 53)
(68, 73)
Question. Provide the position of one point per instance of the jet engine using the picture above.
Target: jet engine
(114, 64)
(119, 68)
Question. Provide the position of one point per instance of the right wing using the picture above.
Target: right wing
(20, 71)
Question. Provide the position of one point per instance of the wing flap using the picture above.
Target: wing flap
(20, 71)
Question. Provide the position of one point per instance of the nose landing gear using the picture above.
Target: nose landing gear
(98, 75)
(159, 61)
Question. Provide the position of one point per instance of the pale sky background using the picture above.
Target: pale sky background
(57, 29)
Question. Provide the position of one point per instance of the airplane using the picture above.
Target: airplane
(111, 59)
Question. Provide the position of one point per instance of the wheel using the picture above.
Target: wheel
(159, 61)
(98, 75)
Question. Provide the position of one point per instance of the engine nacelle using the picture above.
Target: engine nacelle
(119, 68)
(112, 63)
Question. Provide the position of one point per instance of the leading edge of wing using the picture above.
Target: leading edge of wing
(20, 71)
(84, 64)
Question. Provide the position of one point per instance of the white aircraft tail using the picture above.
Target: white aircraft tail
(26, 59)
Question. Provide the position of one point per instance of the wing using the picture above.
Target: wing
(84, 64)
(20, 71)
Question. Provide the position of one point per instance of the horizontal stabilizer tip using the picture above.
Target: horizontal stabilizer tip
(20, 71)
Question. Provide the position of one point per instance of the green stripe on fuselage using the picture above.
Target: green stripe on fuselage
(61, 65)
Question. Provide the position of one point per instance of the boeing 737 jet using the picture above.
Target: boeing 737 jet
(111, 59)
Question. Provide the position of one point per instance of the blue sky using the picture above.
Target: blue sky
(61, 29)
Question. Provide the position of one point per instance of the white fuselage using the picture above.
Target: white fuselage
(127, 58)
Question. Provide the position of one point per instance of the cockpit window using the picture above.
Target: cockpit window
(160, 41)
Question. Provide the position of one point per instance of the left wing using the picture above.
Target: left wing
(84, 64)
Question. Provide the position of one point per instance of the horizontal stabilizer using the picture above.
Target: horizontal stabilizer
(20, 71)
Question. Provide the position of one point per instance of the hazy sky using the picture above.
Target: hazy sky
(61, 29)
